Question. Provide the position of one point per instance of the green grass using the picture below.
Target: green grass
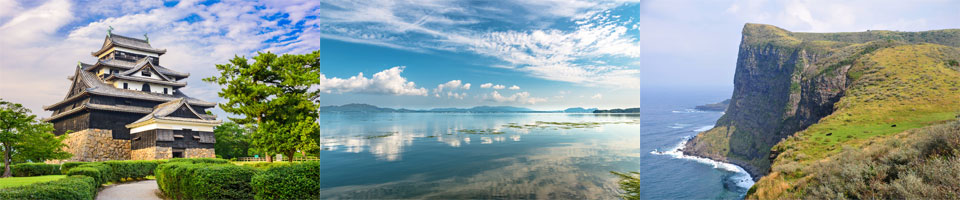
(900, 89)
(19, 181)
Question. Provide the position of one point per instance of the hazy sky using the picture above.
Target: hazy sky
(545, 54)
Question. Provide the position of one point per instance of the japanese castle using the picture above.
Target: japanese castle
(128, 106)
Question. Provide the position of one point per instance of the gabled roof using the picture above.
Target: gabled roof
(97, 87)
(130, 65)
(145, 64)
(168, 111)
(113, 40)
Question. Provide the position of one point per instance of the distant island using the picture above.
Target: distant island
(357, 107)
(618, 110)
(722, 106)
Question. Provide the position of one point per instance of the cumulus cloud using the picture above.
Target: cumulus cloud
(520, 97)
(597, 96)
(514, 87)
(498, 87)
(42, 42)
(486, 85)
(451, 86)
(388, 82)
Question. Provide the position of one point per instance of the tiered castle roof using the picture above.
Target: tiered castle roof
(122, 61)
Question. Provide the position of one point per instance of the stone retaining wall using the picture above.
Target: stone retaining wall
(152, 153)
(93, 145)
(199, 153)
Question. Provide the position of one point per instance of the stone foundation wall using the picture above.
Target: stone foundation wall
(152, 153)
(93, 145)
(199, 153)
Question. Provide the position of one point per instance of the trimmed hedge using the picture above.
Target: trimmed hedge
(201, 160)
(293, 181)
(65, 167)
(72, 187)
(100, 172)
(115, 171)
(179, 179)
(34, 169)
(266, 165)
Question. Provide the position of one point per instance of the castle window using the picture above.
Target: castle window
(125, 86)
(146, 88)
(165, 91)
(145, 72)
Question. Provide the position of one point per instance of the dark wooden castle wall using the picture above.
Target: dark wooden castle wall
(143, 139)
(187, 141)
(74, 122)
(116, 121)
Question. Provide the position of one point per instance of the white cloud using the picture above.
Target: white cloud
(514, 87)
(385, 82)
(520, 97)
(451, 85)
(498, 87)
(545, 53)
(486, 85)
(40, 46)
(597, 96)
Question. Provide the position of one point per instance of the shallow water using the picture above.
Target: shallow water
(443, 155)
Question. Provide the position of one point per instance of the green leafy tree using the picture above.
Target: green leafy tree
(23, 138)
(277, 95)
(233, 140)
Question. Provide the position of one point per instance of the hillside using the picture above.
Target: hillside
(719, 106)
(822, 92)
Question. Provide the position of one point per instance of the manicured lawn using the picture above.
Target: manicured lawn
(18, 181)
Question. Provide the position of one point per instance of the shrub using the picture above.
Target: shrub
(266, 165)
(100, 172)
(201, 160)
(131, 169)
(291, 181)
(34, 169)
(925, 165)
(179, 179)
(72, 187)
(65, 167)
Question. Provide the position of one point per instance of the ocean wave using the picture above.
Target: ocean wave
(741, 177)
(703, 128)
(678, 125)
(688, 110)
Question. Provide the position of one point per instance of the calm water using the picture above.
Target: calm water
(426, 155)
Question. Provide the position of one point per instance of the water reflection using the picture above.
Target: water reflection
(387, 141)
(477, 156)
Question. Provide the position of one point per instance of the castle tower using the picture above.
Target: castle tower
(128, 106)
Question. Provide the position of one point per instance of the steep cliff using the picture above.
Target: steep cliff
(787, 82)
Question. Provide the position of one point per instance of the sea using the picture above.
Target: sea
(523, 155)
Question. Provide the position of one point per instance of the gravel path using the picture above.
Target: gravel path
(141, 190)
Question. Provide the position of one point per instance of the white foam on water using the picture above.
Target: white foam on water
(703, 128)
(741, 178)
(688, 110)
(678, 125)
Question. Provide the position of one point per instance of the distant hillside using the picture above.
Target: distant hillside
(580, 110)
(618, 110)
(483, 109)
(722, 106)
(355, 107)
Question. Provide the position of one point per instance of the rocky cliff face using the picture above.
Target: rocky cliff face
(786, 82)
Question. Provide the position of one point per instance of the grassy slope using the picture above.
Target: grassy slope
(909, 86)
(18, 181)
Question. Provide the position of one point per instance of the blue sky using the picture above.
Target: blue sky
(558, 53)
